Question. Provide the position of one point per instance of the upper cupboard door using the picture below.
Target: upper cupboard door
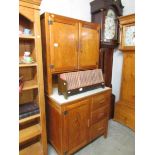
(88, 45)
(63, 44)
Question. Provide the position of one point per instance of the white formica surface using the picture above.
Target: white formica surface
(61, 100)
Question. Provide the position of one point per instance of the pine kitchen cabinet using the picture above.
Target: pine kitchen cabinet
(69, 44)
(75, 122)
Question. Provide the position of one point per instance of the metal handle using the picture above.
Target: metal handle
(101, 102)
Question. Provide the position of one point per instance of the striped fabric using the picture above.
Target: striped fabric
(82, 78)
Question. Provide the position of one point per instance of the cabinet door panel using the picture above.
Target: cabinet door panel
(128, 79)
(64, 46)
(88, 46)
(78, 118)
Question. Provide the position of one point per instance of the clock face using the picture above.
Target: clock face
(129, 36)
(110, 26)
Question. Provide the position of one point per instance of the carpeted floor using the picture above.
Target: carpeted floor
(120, 141)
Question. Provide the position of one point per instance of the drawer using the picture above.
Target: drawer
(99, 114)
(99, 101)
(98, 129)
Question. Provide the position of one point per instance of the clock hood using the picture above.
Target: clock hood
(97, 5)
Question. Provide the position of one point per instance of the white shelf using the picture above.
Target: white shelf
(61, 100)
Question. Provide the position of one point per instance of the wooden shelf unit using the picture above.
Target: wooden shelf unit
(32, 84)
(28, 64)
(26, 37)
(34, 149)
(32, 129)
(29, 133)
(29, 119)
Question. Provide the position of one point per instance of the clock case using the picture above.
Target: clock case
(99, 9)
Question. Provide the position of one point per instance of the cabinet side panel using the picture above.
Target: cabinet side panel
(128, 79)
(46, 55)
(54, 127)
(38, 48)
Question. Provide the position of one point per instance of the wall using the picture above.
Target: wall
(80, 9)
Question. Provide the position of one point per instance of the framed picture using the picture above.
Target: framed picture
(127, 35)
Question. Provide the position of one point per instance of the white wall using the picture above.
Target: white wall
(80, 9)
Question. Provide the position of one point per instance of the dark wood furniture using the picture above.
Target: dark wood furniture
(109, 35)
(99, 10)
(32, 129)
(75, 122)
(125, 107)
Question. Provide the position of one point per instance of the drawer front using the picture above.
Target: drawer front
(99, 101)
(99, 114)
(98, 129)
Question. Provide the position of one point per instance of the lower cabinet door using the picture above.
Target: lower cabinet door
(77, 125)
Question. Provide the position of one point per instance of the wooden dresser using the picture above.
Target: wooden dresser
(125, 107)
(75, 122)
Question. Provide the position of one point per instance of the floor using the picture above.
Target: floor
(120, 141)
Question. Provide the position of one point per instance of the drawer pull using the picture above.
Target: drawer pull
(101, 102)
(88, 123)
(99, 129)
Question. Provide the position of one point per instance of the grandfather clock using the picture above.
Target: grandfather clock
(106, 13)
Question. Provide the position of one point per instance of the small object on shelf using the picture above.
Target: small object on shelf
(22, 61)
(21, 84)
(26, 58)
(28, 109)
(77, 82)
(27, 31)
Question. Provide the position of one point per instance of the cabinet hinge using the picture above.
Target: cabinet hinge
(51, 66)
(50, 22)
(65, 112)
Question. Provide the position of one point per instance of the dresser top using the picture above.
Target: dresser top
(61, 100)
